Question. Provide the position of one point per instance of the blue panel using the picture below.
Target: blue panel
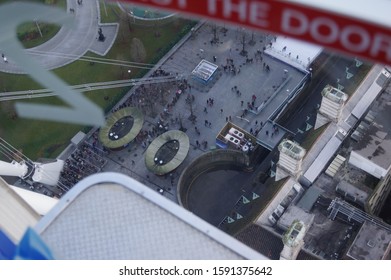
(7, 247)
(32, 247)
(221, 144)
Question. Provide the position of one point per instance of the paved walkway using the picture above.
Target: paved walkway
(251, 80)
(69, 45)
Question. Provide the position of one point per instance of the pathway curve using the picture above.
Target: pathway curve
(70, 44)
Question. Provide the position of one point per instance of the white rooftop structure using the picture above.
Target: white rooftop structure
(292, 214)
(41, 203)
(18, 169)
(112, 216)
(204, 70)
(333, 101)
(294, 52)
(366, 100)
(334, 94)
(48, 173)
(290, 159)
(15, 214)
(291, 149)
(294, 234)
(323, 158)
(293, 241)
(78, 138)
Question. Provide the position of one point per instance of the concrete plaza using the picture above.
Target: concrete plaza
(270, 88)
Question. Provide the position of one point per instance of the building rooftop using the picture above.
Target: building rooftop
(371, 243)
(327, 238)
(262, 240)
(375, 141)
(40, 203)
(295, 234)
(352, 193)
(309, 198)
(292, 214)
(267, 243)
(327, 145)
(15, 214)
(334, 94)
(292, 149)
(370, 94)
(294, 52)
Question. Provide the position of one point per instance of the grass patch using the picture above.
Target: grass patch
(109, 13)
(358, 78)
(47, 139)
(29, 33)
(36, 138)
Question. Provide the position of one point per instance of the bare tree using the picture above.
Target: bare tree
(243, 42)
(215, 37)
(124, 21)
(189, 101)
(252, 41)
(8, 108)
(138, 51)
(180, 119)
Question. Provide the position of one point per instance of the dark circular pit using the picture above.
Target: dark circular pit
(121, 128)
(167, 152)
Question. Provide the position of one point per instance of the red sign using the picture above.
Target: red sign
(336, 31)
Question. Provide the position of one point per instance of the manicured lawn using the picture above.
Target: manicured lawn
(47, 139)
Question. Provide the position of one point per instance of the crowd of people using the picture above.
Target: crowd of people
(83, 162)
